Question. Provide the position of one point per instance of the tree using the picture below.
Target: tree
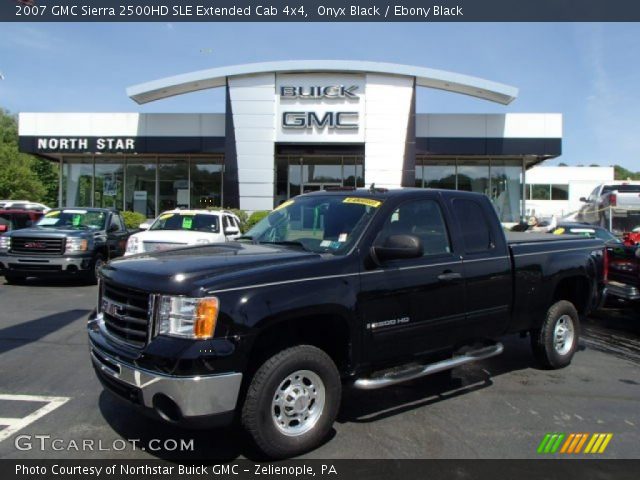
(621, 173)
(23, 176)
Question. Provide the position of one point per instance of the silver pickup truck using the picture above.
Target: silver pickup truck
(614, 206)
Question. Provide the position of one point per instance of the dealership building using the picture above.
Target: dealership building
(292, 127)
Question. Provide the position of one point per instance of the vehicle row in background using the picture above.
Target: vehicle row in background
(182, 228)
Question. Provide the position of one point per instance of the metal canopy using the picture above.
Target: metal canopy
(425, 77)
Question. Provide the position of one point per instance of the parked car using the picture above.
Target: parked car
(586, 230)
(370, 287)
(623, 273)
(73, 241)
(11, 219)
(181, 228)
(23, 205)
(615, 206)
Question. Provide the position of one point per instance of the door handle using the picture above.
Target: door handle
(449, 276)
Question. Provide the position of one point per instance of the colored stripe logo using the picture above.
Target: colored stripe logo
(573, 443)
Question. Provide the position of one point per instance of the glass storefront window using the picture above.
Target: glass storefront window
(473, 176)
(140, 192)
(438, 174)
(173, 184)
(109, 183)
(559, 192)
(506, 188)
(206, 183)
(77, 182)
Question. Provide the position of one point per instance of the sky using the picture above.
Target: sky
(589, 72)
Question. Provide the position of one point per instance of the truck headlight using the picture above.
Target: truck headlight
(5, 243)
(132, 245)
(75, 245)
(188, 317)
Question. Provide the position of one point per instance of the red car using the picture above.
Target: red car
(12, 219)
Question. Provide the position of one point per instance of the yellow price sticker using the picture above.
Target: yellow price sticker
(52, 214)
(558, 231)
(369, 202)
(165, 216)
(284, 205)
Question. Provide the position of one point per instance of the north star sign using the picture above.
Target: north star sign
(330, 120)
(91, 144)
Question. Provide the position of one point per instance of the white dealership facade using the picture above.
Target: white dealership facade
(292, 127)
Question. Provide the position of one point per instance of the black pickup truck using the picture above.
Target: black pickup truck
(367, 288)
(67, 241)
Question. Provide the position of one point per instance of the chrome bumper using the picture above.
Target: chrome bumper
(622, 290)
(43, 264)
(194, 396)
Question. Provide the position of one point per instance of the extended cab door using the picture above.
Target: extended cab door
(413, 306)
(486, 266)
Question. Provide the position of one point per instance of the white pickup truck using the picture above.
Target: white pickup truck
(614, 206)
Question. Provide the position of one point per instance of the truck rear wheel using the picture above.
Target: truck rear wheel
(557, 340)
(292, 401)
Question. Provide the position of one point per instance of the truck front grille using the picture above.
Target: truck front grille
(127, 313)
(160, 246)
(38, 246)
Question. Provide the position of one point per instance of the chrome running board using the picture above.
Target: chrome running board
(417, 371)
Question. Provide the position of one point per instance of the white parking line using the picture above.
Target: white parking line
(14, 425)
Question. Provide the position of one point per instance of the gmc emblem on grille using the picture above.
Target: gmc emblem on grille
(112, 308)
(35, 245)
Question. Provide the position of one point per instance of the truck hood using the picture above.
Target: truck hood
(41, 232)
(188, 270)
(177, 236)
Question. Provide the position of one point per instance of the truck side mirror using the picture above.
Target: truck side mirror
(144, 226)
(231, 231)
(397, 247)
(583, 199)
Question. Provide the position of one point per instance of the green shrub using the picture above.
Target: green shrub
(133, 219)
(255, 217)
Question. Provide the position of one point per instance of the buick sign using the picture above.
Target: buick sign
(318, 92)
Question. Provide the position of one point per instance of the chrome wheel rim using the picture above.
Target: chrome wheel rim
(298, 403)
(563, 335)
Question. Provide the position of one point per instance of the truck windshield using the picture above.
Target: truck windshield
(73, 219)
(316, 223)
(182, 221)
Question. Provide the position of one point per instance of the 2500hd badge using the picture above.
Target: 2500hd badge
(361, 288)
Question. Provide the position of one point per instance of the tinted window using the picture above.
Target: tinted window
(476, 232)
(621, 188)
(422, 218)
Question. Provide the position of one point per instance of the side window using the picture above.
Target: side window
(115, 221)
(422, 218)
(475, 228)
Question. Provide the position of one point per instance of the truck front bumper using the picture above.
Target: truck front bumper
(26, 265)
(622, 290)
(207, 400)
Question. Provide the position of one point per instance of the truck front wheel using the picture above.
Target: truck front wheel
(557, 340)
(292, 401)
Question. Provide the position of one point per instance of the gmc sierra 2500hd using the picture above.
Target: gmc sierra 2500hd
(366, 287)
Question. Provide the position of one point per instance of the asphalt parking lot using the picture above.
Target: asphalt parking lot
(499, 408)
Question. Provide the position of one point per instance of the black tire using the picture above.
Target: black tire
(15, 279)
(258, 411)
(92, 271)
(547, 345)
